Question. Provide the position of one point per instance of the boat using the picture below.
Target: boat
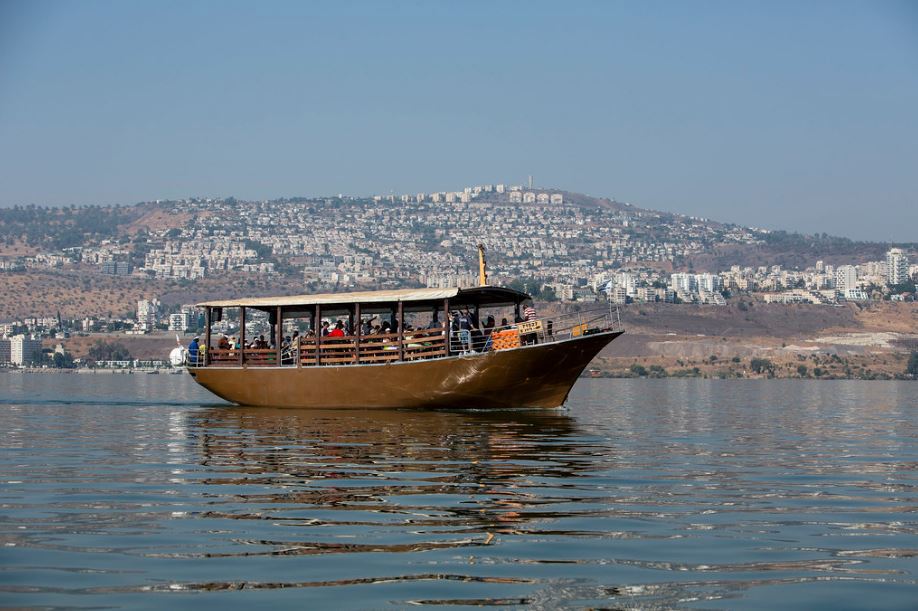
(438, 363)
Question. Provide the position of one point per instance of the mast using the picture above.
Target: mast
(482, 266)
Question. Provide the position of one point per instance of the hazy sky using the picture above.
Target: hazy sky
(796, 115)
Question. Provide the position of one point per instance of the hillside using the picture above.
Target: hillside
(183, 251)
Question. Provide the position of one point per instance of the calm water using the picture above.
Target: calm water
(143, 491)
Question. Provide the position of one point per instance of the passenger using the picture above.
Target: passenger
(325, 329)
(529, 312)
(489, 325)
(465, 331)
(504, 323)
(261, 344)
(223, 344)
(453, 333)
(338, 331)
(435, 321)
(386, 327)
(477, 339)
(193, 349)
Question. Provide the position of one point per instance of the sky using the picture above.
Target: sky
(790, 115)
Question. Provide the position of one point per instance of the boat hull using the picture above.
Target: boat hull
(531, 376)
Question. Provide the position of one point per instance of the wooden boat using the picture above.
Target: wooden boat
(530, 364)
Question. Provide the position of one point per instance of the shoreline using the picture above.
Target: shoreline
(652, 373)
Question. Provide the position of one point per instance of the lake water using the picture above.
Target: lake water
(144, 491)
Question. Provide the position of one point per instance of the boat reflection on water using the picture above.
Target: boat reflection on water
(459, 469)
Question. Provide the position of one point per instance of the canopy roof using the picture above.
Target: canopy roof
(479, 295)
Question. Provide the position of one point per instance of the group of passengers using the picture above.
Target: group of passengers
(469, 335)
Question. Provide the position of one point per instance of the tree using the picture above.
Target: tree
(913, 364)
(62, 360)
(638, 370)
(109, 351)
(801, 370)
(761, 366)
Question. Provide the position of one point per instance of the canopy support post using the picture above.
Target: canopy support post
(318, 335)
(206, 336)
(241, 336)
(278, 336)
(401, 331)
(358, 332)
(446, 323)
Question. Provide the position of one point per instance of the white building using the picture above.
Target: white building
(711, 283)
(617, 294)
(180, 322)
(682, 282)
(896, 267)
(627, 281)
(845, 278)
(24, 350)
(147, 314)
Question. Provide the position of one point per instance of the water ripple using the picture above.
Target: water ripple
(655, 494)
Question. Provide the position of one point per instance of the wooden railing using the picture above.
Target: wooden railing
(538, 331)
(380, 348)
(419, 344)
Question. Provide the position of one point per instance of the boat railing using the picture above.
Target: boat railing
(536, 331)
(416, 344)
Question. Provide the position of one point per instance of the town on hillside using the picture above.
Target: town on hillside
(557, 245)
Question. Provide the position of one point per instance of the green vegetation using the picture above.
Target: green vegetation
(802, 370)
(62, 360)
(638, 370)
(762, 366)
(109, 351)
(263, 250)
(57, 228)
(912, 368)
(533, 287)
(905, 287)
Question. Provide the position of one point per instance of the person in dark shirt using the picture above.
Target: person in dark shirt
(193, 350)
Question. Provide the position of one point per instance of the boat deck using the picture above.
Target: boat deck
(416, 345)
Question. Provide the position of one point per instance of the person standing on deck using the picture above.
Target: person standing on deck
(193, 349)
(529, 312)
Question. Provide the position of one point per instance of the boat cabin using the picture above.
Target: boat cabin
(431, 339)
(441, 327)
